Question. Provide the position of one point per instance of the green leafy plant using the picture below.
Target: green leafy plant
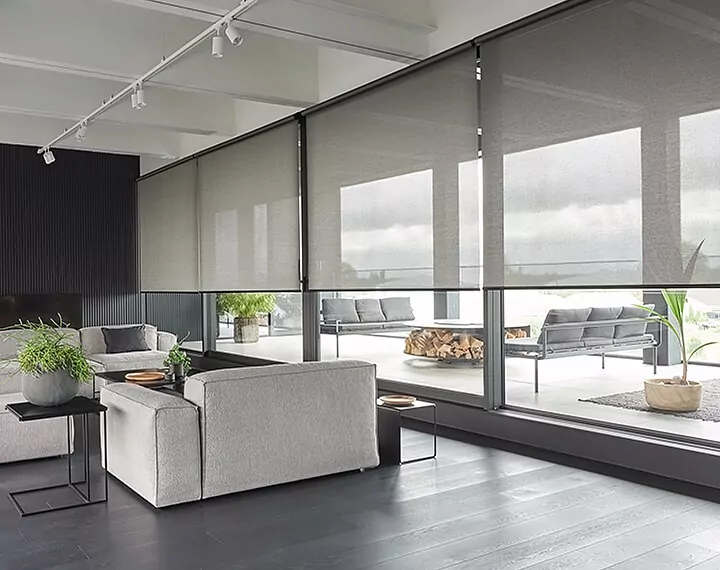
(47, 348)
(245, 305)
(677, 302)
(177, 355)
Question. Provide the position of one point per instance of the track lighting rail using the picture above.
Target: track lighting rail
(134, 88)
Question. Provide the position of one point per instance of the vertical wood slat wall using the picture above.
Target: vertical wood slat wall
(70, 227)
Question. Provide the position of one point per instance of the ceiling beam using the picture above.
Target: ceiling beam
(169, 110)
(120, 139)
(320, 22)
(264, 69)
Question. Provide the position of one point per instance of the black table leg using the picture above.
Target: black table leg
(84, 497)
(389, 436)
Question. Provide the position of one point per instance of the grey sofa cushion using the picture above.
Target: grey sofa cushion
(125, 339)
(635, 329)
(640, 339)
(369, 311)
(529, 345)
(397, 309)
(332, 328)
(602, 314)
(591, 342)
(342, 310)
(558, 316)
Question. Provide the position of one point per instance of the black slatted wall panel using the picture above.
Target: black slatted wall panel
(179, 313)
(71, 227)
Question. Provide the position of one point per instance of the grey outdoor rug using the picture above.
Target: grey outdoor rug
(709, 408)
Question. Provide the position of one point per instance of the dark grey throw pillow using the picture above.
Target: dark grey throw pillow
(125, 339)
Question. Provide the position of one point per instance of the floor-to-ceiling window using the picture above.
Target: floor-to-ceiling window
(604, 169)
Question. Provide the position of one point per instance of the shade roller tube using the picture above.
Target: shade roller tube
(249, 213)
(600, 129)
(394, 186)
(167, 217)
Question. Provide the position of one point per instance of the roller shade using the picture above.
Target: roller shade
(249, 214)
(599, 143)
(393, 183)
(167, 216)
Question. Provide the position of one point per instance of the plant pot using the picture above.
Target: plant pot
(178, 371)
(661, 395)
(50, 389)
(246, 330)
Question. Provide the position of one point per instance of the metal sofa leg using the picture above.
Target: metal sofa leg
(537, 386)
(337, 345)
(655, 359)
(603, 360)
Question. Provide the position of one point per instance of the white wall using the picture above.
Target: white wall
(461, 20)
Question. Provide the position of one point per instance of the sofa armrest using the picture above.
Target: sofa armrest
(153, 443)
(166, 341)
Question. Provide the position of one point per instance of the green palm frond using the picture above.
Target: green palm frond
(699, 348)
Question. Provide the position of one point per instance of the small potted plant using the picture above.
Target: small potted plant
(245, 308)
(177, 360)
(53, 367)
(676, 394)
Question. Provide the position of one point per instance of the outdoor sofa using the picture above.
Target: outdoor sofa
(594, 330)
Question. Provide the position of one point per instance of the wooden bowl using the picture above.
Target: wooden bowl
(398, 400)
(148, 376)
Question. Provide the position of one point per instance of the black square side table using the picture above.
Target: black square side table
(390, 430)
(78, 406)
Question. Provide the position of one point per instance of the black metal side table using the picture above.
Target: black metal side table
(78, 406)
(390, 431)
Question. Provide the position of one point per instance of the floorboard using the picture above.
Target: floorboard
(471, 508)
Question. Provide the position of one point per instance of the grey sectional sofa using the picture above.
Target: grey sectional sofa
(364, 316)
(241, 429)
(594, 330)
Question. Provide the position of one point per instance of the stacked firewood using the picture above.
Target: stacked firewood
(443, 344)
(516, 333)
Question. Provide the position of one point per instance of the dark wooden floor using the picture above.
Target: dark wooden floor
(473, 508)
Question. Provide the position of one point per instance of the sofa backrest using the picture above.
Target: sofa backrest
(265, 425)
(389, 309)
(588, 315)
(93, 340)
(10, 340)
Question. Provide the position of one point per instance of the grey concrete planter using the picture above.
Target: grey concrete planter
(246, 330)
(50, 389)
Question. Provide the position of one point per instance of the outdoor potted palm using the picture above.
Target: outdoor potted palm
(245, 308)
(676, 394)
(53, 366)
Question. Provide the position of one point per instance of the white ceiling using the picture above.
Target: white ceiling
(60, 60)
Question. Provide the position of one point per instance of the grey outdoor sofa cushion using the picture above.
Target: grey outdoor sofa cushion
(602, 314)
(397, 309)
(339, 310)
(561, 316)
(369, 311)
(635, 329)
